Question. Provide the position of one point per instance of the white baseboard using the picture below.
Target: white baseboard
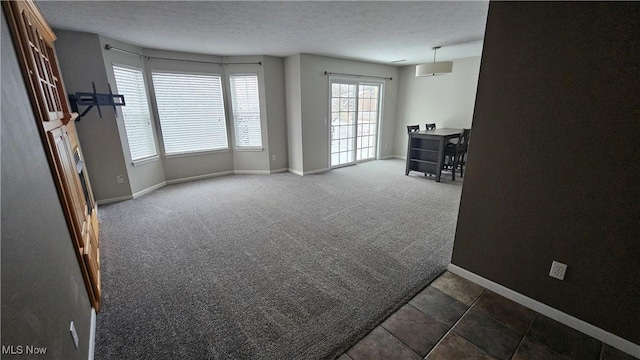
(234, 172)
(297, 172)
(318, 171)
(92, 335)
(199, 177)
(251, 172)
(149, 189)
(386, 157)
(115, 199)
(546, 310)
(403, 157)
(191, 178)
(278, 171)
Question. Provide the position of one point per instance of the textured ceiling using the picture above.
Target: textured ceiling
(382, 32)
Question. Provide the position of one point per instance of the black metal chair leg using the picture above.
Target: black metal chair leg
(453, 168)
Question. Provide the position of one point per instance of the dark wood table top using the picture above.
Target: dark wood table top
(440, 132)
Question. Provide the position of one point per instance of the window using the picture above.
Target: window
(137, 120)
(191, 112)
(245, 103)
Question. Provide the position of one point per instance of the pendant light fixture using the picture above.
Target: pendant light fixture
(434, 68)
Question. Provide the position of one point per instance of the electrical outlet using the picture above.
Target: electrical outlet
(273, 158)
(74, 335)
(558, 270)
(119, 179)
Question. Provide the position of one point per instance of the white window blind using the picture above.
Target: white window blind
(245, 102)
(137, 120)
(191, 112)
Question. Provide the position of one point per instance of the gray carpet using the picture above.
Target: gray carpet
(269, 266)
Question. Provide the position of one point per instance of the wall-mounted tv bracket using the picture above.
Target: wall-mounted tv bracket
(95, 99)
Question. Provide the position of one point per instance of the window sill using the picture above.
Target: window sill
(145, 161)
(196, 153)
(250, 148)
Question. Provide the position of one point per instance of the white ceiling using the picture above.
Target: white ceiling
(376, 31)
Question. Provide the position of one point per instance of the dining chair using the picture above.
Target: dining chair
(431, 126)
(413, 128)
(455, 154)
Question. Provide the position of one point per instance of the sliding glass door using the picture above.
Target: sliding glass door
(343, 123)
(354, 121)
(367, 120)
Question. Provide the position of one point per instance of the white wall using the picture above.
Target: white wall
(294, 112)
(447, 100)
(274, 85)
(81, 62)
(149, 174)
(85, 59)
(295, 89)
(315, 105)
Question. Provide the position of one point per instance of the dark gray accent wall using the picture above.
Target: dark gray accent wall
(554, 159)
(42, 287)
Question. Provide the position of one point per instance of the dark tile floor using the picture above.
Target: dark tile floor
(454, 318)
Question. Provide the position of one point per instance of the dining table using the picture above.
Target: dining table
(425, 150)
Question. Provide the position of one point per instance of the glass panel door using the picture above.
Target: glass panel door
(367, 130)
(343, 123)
(354, 121)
